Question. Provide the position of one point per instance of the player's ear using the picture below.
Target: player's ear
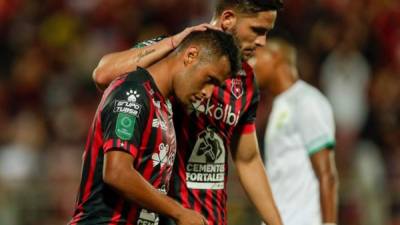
(228, 19)
(191, 54)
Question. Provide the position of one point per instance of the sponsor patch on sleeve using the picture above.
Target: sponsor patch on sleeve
(127, 107)
(125, 126)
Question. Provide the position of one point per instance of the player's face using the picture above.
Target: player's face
(199, 77)
(251, 30)
(264, 64)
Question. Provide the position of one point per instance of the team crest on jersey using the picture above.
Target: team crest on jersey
(237, 88)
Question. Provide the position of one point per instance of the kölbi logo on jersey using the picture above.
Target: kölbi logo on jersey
(219, 111)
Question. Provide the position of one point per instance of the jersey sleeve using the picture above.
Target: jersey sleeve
(316, 125)
(123, 119)
(149, 42)
(246, 123)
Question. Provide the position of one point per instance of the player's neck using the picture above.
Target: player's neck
(283, 82)
(162, 75)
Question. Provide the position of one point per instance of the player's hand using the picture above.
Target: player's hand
(178, 38)
(191, 217)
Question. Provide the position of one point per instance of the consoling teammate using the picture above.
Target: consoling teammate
(299, 140)
(208, 129)
(127, 162)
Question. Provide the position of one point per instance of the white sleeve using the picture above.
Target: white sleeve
(316, 124)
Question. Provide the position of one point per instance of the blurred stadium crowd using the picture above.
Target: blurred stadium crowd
(350, 49)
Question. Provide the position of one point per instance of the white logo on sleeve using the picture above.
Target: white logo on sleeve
(132, 95)
(206, 166)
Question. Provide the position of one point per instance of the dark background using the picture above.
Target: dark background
(350, 49)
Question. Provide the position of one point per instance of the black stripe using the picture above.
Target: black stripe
(124, 213)
(203, 197)
(215, 207)
(86, 165)
(149, 148)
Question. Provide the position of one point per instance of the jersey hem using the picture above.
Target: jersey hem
(118, 144)
(247, 128)
(329, 145)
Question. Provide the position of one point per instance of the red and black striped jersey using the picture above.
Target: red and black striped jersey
(204, 134)
(135, 118)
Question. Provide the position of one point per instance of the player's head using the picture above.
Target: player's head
(277, 58)
(206, 59)
(248, 20)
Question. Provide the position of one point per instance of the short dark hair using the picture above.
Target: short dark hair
(248, 6)
(217, 44)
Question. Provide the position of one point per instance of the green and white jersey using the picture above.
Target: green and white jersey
(301, 123)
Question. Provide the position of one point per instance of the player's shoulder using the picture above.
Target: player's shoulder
(310, 98)
(307, 92)
(131, 87)
(129, 97)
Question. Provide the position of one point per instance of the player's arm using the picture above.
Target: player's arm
(117, 64)
(120, 174)
(323, 163)
(317, 130)
(122, 124)
(251, 171)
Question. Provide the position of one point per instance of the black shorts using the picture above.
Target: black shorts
(164, 220)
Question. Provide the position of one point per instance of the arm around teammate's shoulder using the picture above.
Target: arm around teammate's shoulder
(117, 64)
(120, 63)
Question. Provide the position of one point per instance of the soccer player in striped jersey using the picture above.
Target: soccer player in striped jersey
(299, 140)
(130, 151)
(210, 129)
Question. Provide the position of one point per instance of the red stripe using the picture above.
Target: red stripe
(250, 87)
(144, 142)
(128, 147)
(248, 128)
(239, 103)
(118, 142)
(182, 151)
(184, 194)
(133, 150)
(159, 140)
(117, 212)
(132, 214)
(147, 132)
(209, 206)
(94, 150)
(197, 201)
(227, 95)
(149, 168)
